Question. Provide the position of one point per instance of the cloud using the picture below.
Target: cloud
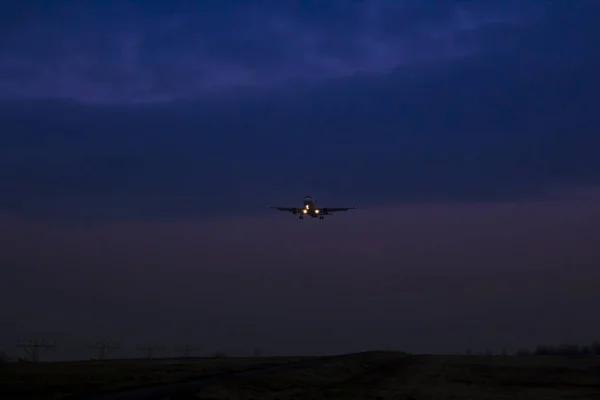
(118, 52)
(512, 117)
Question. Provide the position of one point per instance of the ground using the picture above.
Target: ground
(63, 380)
(370, 375)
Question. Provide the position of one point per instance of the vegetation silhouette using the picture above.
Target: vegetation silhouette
(563, 350)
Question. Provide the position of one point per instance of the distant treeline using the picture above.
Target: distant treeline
(563, 350)
(549, 350)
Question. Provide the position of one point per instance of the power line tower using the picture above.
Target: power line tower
(104, 348)
(150, 349)
(34, 348)
(187, 350)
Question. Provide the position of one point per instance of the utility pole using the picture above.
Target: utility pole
(104, 348)
(187, 350)
(34, 348)
(150, 349)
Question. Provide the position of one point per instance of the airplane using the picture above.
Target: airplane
(310, 209)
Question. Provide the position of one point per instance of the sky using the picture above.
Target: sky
(143, 143)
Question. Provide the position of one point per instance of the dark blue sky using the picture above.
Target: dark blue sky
(174, 125)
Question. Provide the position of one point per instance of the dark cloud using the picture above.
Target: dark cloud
(512, 116)
(116, 51)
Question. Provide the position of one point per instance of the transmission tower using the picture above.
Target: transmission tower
(104, 348)
(150, 349)
(34, 348)
(187, 350)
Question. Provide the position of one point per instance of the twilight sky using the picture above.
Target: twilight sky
(142, 143)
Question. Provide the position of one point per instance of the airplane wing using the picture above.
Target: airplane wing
(293, 210)
(329, 210)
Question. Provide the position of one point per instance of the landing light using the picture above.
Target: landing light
(304, 211)
(316, 211)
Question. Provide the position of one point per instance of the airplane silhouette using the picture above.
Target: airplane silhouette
(310, 209)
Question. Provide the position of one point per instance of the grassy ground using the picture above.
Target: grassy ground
(380, 375)
(371, 375)
(70, 379)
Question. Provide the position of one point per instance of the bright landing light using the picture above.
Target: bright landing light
(316, 211)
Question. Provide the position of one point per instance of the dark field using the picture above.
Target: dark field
(371, 375)
(72, 379)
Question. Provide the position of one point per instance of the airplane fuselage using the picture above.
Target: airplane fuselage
(310, 208)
